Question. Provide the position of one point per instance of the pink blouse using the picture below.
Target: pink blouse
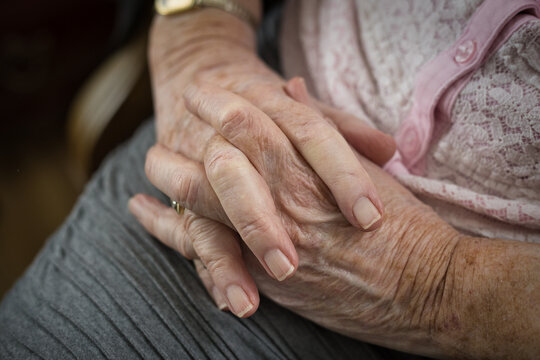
(456, 82)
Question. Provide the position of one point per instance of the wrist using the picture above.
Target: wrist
(202, 22)
(198, 39)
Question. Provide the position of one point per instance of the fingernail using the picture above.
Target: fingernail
(279, 264)
(219, 299)
(366, 213)
(239, 300)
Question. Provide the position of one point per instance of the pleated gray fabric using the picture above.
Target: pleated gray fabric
(102, 288)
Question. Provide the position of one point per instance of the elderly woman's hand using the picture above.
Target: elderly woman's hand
(250, 208)
(318, 132)
(415, 284)
(366, 285)
(312, 130)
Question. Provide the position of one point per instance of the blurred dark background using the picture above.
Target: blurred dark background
(73, 84)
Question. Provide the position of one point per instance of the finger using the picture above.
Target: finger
(320, 144)
(353, 189)
(296, 89)
(163, 223)
(246, 199)
(370, 142)
(208, 283)
(219, 251)
(241, 123)
(184, 181)
(177, 128)
(215, 245)
(187, 136)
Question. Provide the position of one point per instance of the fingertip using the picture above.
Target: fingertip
(145, 201)
(295, 82)
(249, 312)
(135, 204)
(384, 147)
(292, 255)
(253, 295)
(367, 215)
(296, 89)
(241, 298)
(390, 142)
(294, 261)
(375, 225)
(239, 302)
(219, 299)
(280, 265)
(133, 199)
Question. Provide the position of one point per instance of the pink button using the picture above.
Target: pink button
(465, 52)
(410, 143)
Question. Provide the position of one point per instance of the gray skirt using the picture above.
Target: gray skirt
(102, 287)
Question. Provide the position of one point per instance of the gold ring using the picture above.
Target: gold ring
(176, 206)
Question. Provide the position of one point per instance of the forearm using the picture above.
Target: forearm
(492, 300)
(469, 297)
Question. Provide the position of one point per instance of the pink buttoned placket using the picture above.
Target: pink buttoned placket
(439, 82)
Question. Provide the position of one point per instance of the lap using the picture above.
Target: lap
(103, 288)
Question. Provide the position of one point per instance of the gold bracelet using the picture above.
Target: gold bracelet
(171, 7)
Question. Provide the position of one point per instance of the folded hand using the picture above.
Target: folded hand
(370, 285)
(251, 209)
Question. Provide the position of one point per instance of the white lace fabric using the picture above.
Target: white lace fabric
(482, 170)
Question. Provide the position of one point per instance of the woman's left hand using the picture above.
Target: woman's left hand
(250, 209)
(368, 285)
(415, 284)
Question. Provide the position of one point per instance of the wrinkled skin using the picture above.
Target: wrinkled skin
(376, 286)
(414, 284)
(384, 286)
(181, 131)
(366, 285)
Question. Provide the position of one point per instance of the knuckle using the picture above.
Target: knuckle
(350, 181)
(305, 123)
(235, 118)
(186, 187)
(190, 224)
(219, 163)
(276, 103)
(309, 130)
(265, 95)
(203, 274)
(255, 229)
(219, 266)
(187, 234)
(181, 240)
